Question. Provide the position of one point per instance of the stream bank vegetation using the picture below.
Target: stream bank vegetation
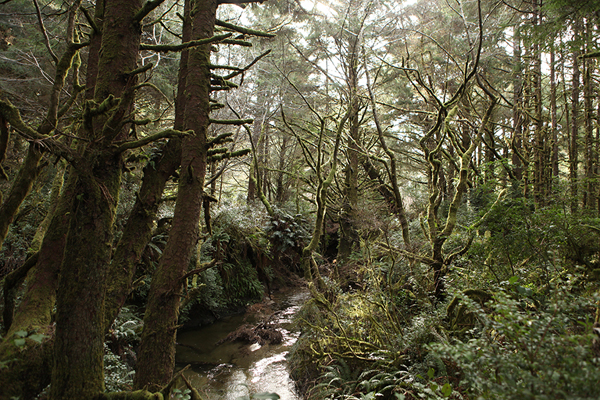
(428, 169)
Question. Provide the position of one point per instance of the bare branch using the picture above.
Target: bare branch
(43, 29)
(247, 67)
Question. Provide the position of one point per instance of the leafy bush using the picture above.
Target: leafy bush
(119, 357)
(288, 232)
(520, 352)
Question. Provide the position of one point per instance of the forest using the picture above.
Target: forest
(427, 171)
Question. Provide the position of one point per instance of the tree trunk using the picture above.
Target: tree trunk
(80, 314)
(517, 117)
(540, 150)
(591, 157)
(574, 137)
(138, 229)
(156, 356)
(553, 113)
(347, 218)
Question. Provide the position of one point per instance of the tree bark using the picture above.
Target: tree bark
(347, 218)
(590, 195)
(574, 137)
(156, 356)
(540, 151)
(80, 316)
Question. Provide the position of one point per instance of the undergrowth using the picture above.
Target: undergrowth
(520, 320)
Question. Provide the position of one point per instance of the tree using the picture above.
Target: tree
(89, 200)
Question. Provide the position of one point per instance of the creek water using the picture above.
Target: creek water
(230, 370)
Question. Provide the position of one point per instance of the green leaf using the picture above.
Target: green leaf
(21, 333)
(399, 396)
(38, 337)
(447, 390)
(20, 342)
(513, 279)
(431, 373)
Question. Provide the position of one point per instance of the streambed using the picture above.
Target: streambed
(229, 370)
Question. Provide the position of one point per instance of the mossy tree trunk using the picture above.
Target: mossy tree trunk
(590, 195)
(138, 229)
(348, 216)
(574, 128)
(393, 197)
(29, 366)
(311, 272)
(156, 356)
(80, 314)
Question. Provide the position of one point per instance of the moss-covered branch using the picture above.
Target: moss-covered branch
(93, 109)
(203, 267)
(168, 133)
(321, 198)
(232, 154)
(12, 115)
(220, 139)
(4, 138)
(231, 121)
(220, 150)
(241, 29)
(237, 42)
(141, 69)
(21, 186)
(222, 82)
(165, 48)
(90, 19)
(593, 54)
(461, 187)
(392, 171)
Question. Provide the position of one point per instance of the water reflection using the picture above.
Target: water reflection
(231, 369)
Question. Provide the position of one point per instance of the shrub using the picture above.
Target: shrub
(526, 352)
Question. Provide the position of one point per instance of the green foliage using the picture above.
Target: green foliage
(118, 376)
(525, 353)
(21, 337)
(123, 336)
(288, 232)
(515, 239)
(240, 283)
(181, 394)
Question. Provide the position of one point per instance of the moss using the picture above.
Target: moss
(459, 316)
(25, 370)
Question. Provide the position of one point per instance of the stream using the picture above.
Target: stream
(230, 370)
